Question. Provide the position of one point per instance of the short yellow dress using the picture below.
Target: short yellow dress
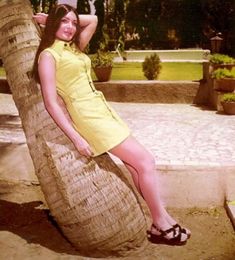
(92, 116)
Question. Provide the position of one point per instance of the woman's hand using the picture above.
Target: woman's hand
(40, 18)
(82, 146)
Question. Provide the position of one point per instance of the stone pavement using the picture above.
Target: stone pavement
(182, 134)
(194, 148)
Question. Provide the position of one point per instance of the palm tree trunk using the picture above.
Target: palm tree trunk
(91, 201)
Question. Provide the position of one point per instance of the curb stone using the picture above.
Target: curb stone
(230, 207)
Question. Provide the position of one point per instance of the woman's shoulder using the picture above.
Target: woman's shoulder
(55, 50)
(57, 46)
(46, 55)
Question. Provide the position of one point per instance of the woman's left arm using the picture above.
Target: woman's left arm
(88, 25)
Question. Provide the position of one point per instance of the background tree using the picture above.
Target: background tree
(143, 19)
(219, 17)
(83, 6)
(120, 7)
(163, 24)
(42, 5)
(188, 23)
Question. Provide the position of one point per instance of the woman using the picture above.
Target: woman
(64, 70)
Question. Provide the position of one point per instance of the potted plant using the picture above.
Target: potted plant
(102, 63)
(218, 60)
(228, 103)
(224, 79)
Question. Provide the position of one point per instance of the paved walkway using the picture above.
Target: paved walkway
(178, 134)
(182, 134)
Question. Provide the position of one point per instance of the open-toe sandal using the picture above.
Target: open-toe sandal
(182, 230)
(162, 238)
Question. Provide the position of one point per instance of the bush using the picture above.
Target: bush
(101, 59)
(152, 66)
(223, 73)
(218, 58)
(228, 97)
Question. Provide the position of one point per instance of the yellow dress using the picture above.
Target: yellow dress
(92, 116)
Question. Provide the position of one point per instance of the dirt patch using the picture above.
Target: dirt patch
(27, 231)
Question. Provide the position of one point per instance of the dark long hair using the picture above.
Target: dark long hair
(49, 34)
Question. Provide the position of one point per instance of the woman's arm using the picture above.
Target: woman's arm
(88, 25)
(40, 18)
(46, 69)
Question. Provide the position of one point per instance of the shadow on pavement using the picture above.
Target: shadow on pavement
(33, 224)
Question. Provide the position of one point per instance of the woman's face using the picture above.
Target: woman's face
(68, 27)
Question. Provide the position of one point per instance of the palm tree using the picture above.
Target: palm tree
(91, 201)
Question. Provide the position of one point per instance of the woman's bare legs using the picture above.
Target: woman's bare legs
(141, 165)
(134, 175)
(135, 178)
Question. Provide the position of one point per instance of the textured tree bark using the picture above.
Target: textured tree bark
(91, 201)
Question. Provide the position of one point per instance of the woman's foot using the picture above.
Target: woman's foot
(182, 229)
(170, 236)
(176, 226)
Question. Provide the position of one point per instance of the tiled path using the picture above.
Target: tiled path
(182, 134)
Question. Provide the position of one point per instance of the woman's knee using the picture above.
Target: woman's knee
(134, 154)
(147, 164)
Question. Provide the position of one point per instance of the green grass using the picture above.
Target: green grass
(183, 54)
(170, 71)
(2, 72)
(181, 71)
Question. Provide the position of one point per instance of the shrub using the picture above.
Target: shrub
(101, 59)
(218, 58)
(151, 66)
(228, 97)
(223, 73)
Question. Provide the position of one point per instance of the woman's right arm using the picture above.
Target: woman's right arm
(46, 69)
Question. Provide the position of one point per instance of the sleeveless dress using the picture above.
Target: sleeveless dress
(91, 115)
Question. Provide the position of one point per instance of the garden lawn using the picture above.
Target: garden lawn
(2, 72)
(170, 71)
